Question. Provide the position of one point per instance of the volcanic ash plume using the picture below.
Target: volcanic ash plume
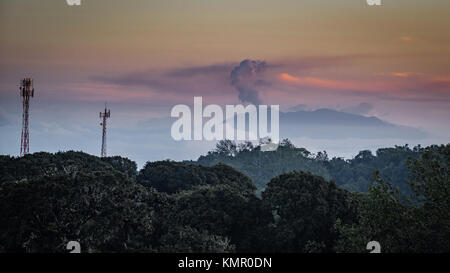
(245, 79)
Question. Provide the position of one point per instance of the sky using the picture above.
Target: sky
(144, 57)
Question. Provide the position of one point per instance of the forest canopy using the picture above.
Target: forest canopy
(301, 202)
(352, 174)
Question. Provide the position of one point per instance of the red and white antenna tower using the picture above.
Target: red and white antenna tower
(105, 115)
(26, 92)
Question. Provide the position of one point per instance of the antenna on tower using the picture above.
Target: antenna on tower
(105, 115)
(26, 92)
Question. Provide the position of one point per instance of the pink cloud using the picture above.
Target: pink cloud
(406, 74)
(400, 74)
(406, 38)
(441, 83)
(332, 84)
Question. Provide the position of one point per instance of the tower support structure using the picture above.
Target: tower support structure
(105, 115)
(26, 92)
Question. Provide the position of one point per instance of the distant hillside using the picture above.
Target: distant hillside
(332, 124)
(321, 124)
(330, 117)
